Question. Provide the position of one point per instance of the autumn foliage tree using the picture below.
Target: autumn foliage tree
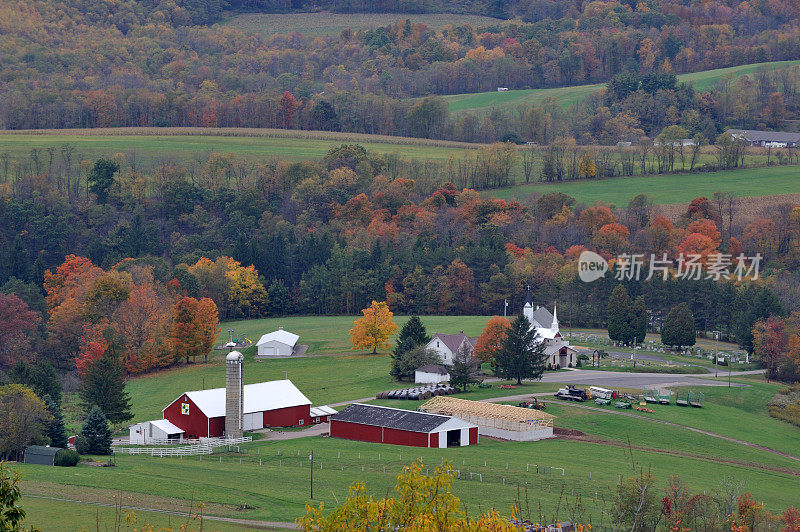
(373, 330)
(490, 342)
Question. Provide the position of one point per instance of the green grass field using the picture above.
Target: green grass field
(325, 24)
(568, 96)
(668, 189)
(337, 375)
(169, 144)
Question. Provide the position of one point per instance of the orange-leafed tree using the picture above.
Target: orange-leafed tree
(206, 325)
(68, 279)
(143, 320)
(185, 335)
(373, 330)
(93, 345)
(491, 339)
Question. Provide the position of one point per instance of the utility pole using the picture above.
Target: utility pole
(505, 307)
(730, 363)
(716, 351)
(311, 457)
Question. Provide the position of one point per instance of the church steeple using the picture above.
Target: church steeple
(554, 325)
(529, 297)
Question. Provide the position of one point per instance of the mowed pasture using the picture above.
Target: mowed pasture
(244, 485)
(181, 144)
(667, 189)
(569, 96)
(324, 24)
(331, 372)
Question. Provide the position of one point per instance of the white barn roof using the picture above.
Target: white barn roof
(167, 426)
(259, 397)
(284, 337)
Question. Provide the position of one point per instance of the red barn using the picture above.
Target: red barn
(380, 424)
(201, 414)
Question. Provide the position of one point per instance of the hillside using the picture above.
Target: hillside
(569, 96)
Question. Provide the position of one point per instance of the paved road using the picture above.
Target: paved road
(620, 379)
(279, 435)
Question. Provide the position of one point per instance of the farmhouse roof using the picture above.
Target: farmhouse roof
(755, 135)
(270, 395)
(167, 426)
(284, 337)
(396, 418)
(433, 368)
(454, 341)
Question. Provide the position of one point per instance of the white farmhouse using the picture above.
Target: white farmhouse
(278, 343)
(446, 345)
(559, 353)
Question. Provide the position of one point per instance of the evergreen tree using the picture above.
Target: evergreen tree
(56, 431)
(620, 316)
(639, 320)
(95, 436)
(104, 386)
(412, 334)
(465, 366)
(41, 377)
(678, 329)
(522, 355)
(753, 304)
(404, 365)
(102, 177)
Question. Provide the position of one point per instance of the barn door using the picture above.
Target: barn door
(253, 421)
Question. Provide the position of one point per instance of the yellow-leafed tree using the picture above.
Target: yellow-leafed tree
(374, 329)
(420, 502)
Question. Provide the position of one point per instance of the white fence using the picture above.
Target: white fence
(205, 446)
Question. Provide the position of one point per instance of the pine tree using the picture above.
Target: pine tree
(95, 436)
(678, 329)
(104, 386)
(56, 431)
(465, 366)
(411, 335)
(620, 317)
(522, 355)
(41, 377)
(640, 320)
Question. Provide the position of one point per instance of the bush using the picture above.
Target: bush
(67, 458)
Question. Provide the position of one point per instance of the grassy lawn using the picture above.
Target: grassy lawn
(228, 484)
(51, 515)
(667, 189)
(568, 96)
(337, 375)
(331, 24)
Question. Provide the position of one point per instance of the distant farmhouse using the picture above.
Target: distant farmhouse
(766, 139)
(558, 351)
(446, 345)
(278, 343)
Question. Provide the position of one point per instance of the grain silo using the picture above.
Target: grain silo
(234, 395)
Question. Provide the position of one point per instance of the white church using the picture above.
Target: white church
(559, 353)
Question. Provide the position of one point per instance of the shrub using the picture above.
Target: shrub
(67, 458)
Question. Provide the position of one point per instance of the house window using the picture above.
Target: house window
(300, 422)
(437, 343)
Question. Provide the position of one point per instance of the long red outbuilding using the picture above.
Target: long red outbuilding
(380, 424)
(266, 404)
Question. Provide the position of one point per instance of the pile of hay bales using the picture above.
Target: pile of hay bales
(419, 393)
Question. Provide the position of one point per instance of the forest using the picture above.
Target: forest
(97, 64)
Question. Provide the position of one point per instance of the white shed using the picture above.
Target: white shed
(154, 432)
(431, 374)
(278, 343)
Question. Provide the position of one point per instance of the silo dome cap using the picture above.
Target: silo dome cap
(234, 356)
